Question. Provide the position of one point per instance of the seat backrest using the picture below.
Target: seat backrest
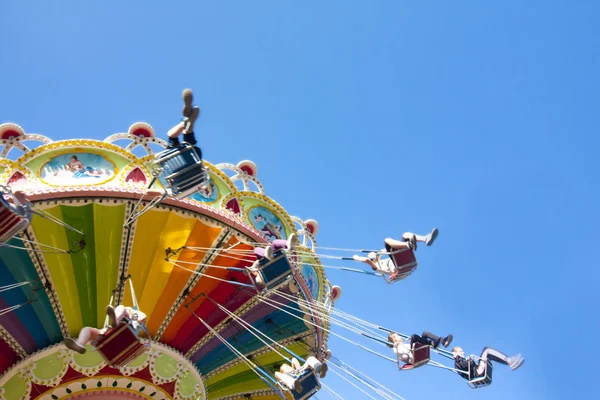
(120, 345)
(12, 221)
(421, 354)
(404, 260)
(478, 381)
(181, 167)
(310, 385)
(275, 271)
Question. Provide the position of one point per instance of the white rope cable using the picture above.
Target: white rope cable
(12, 308)
(331, 392)
(14, 286)
(248, 325)
(199, 264)
(365, 376)
(44, 214)
(213, 277)
(327, 317)
(369, 385)
(235, 351)
(352, 383)
(41, 245)
(322, 311)
(267, 301)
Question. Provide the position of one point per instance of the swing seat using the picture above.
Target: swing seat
(476, 382)
(310, 385)
(421, 356)
(405, 262)
(276, 271)
(182, 169)
(14, 218)
(120, 345)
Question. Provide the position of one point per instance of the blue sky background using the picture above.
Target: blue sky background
(478, 117)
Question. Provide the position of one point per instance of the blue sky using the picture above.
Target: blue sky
(373, 118)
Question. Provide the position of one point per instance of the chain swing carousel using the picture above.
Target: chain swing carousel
(81, 230)
(205, 288)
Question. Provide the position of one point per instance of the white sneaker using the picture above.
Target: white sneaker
(431, 237)
(269, 253)
(292, 241)
(516, 362)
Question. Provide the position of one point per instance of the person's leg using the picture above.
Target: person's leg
(86, 335)
(367, 260)
(174, 133)
(491, 354)
(411, 239)
(295, 364)
(289, 381)
(121, 312)
(436, 340)
(279, 244)
(420, 339)
(260, 252)
(392, 244)
(315, 365)
(427, 239)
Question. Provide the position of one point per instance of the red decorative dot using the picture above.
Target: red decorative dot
(311, 228)
(141, 132)
(247, 170)
(10, 134)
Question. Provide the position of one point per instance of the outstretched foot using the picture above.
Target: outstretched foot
(297, 386)
(112, 318)
(188, 99)
(448, 340)
(292, 241)
(412, 243)
(323, 371)
(516, 361)
(73, 345)
(431, 237)
(269, 253)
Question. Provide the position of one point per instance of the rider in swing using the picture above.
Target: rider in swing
(186, 127)
(403, 349)
(479, 368)
(387, 266)
(288, 374)
(115, 316)
(268, 253)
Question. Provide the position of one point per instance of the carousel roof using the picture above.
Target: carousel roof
(186, 259)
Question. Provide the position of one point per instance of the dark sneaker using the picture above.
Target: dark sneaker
(173, 142)
(412, 243)
(112, 318)
(448, 340)
(73, 345)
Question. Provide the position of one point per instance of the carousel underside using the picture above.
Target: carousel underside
(186, 260)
